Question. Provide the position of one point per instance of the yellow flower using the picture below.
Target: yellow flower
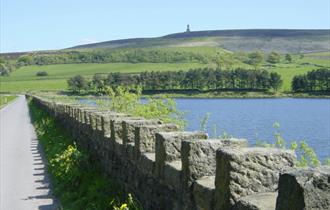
(123, 206)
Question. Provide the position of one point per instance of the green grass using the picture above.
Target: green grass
(5, 99)
(297, 67)
(25, 79)
(287, 73)
(204, 50)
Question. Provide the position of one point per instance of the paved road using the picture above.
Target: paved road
(24, 183)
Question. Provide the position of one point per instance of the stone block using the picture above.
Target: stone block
(203, 193)
(198, 158)
(145, 136)
(245, 171)
(118, 147)
(168, 147)
(304, 188)
(105, 122)
(130, 151)
(233, 142)
(173, 174)
(258, 201)
(147, 163)
(128, 126)
(116, 127)
(92, 120)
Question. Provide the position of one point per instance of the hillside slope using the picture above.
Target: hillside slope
(281, 40)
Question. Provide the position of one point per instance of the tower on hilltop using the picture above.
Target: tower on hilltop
(188, 29)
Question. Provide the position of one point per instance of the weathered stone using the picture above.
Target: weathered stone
(147, 163)
(130, 151)
(203, 193)
(92, 120)
(301, 189)
(129, 125)
(145, 136)
(168, 147)
(105, 121)
(173, 174)
(117, 128)
(118, 147)
(245, 171)
(198, 157)
(86, 117)
(259, 201)
(233, 142)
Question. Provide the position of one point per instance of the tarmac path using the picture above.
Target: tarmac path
(24, 182)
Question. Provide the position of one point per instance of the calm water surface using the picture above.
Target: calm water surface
(253, 119)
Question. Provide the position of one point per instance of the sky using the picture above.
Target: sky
(28, 25)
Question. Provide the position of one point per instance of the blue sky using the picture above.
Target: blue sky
(54, 24)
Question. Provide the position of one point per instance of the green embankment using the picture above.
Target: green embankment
(5, 99)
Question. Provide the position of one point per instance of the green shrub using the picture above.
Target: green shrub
(126, 101)
(42, 73)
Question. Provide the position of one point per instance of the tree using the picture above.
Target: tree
(299, 83)
(25, 60)
(255, 59)
(275, 81)
(4, 70)
(316, 80)
(273, 57)
(288, 58)
(41, 73)
(77, 83)
(98, 82)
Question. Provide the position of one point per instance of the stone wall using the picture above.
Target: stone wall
(166, 168)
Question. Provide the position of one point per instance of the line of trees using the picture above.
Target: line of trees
(316, 80)
(148, 56)
(194, 79)
(114, 56)
(255, 59)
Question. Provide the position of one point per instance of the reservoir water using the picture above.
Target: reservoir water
(253, 119)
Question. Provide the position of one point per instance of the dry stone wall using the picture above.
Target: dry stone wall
(166, 168)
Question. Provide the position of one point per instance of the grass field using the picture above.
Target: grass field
(25, 79)
(5, 99)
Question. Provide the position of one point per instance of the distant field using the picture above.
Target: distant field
(288, 72)
(25, 79)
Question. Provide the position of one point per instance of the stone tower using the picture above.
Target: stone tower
(188, 29)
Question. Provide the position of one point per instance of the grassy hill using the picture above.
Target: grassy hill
(25, 78)
(283, 41)
(196, 49)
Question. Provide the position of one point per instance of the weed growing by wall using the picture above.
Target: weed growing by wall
(162, 108)
(77, 178)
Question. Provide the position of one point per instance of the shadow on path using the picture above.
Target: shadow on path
(42, 182)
